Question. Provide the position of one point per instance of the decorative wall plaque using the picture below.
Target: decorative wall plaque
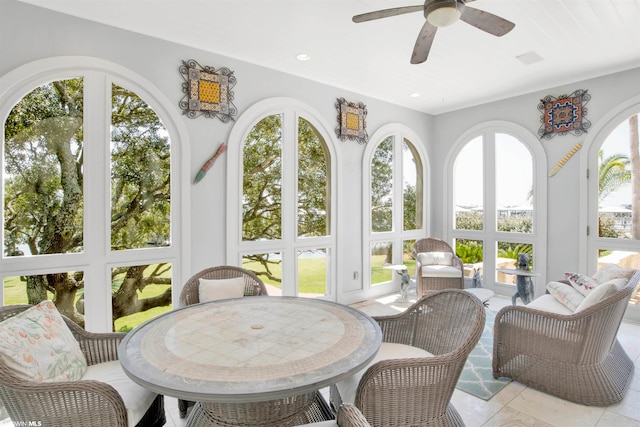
(351, 121)
(207, 91)
(564, 114)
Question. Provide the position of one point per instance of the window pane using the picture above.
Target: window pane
(508, 258)
(140, 174)
(412, 187)
(268, 267)
(139, 293)
(470, 253)
(407, 257)
(468, 186)
(514, 185)
(625, 259)
(381, 254)
(312, 272)
(382, 187)
(64, 289)
(262, 181)
(313, 182)
(43, 171)
(618, 216)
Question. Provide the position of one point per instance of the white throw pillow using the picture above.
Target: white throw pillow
(565, 294)
(218, 289)
(437, 258)
(37, 345)
(601, 292)
(612, 271)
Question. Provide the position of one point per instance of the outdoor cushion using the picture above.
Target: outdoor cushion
(137, 399)
(438, 258)
(219, 289)
(38, 345)
(601, 292)
(549, 303)
(566, 295)
(581, 283)
(612, 271)
(349, 385)
(440, 271)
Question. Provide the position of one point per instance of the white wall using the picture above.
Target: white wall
(28, 33)
(563, 190)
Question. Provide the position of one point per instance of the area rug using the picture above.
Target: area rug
(477, 374)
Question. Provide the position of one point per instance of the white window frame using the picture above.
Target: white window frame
(589, 244)
(491, 236)
(97, 259)
(289, 243)
(399, 132)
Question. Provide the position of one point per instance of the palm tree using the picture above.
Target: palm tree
(613, 172)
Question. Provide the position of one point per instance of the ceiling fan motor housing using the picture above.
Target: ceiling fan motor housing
(441, 13)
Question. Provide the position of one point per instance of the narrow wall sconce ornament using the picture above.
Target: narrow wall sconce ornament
(207, 165)
(351, 121)
(207, 91)
(564, 114)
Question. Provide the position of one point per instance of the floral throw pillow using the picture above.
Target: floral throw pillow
(581, 283)
(38, 346)
(565, 294)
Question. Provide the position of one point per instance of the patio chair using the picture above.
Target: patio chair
(412, 378)
(83, 402)
(574, 356)
(191, 295)
(348, 416)
(437, 266)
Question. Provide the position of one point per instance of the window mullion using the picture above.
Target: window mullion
(289, 200)
(97, 110)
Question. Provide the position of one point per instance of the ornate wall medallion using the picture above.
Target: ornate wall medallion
(564, 114)
(207, 91)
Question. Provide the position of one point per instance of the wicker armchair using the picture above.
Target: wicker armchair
(72, 403)
(436, 277)
(575, 357)
(190, 295)
(348, 416)
(416, 391)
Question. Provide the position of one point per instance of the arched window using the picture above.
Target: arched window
(394, 207)
(281, 217)
(614, 196)
(89, 173)
(496, 206)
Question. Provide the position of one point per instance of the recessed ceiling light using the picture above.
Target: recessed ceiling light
(303, 57)
(414, 95)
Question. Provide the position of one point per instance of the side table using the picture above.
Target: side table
(523, 294)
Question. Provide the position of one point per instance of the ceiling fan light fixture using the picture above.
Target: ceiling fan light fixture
(443, 13)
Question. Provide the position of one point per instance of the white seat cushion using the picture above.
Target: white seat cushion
(331, 423)
(548, 302)
(349, 386)
(440, 271)
(136, 398)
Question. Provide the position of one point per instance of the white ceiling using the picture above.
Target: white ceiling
(577, 39)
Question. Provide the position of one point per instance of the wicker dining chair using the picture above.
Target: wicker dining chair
(348, 416)
(440, 275)
(417, 390)
(190, 295)
(72, 403)
(576, 356)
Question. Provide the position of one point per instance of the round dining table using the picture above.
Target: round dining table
(256, 360)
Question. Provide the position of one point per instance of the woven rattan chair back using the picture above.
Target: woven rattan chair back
(252, 284)
(425, 285)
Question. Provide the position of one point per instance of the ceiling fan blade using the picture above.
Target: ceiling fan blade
(486, 21)
(423, 43)
(385, 13)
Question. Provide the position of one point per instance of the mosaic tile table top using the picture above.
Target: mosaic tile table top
(249, 349)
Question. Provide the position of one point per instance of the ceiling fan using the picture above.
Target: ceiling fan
(441, 13)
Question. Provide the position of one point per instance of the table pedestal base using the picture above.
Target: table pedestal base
(272, 413)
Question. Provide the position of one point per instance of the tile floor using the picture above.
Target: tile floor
(516, 405)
